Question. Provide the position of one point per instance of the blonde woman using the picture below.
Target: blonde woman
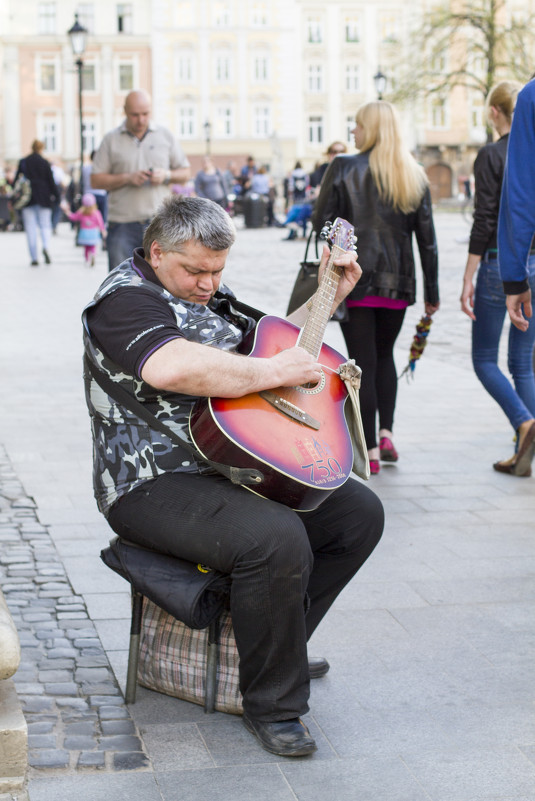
(384, 194)
(484, 302)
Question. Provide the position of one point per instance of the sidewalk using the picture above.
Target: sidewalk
(430, 693)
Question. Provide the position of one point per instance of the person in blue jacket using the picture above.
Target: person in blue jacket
(516, 250)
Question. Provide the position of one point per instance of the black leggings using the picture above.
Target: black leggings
(370, 335)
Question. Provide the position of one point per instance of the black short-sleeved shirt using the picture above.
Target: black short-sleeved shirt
(133, 324)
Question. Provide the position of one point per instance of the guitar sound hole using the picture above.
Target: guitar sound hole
(313, 389)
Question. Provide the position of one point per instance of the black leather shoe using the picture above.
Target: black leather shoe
(317, 667)
(283, 737)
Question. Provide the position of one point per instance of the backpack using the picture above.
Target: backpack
(300, 184)
(22, 192)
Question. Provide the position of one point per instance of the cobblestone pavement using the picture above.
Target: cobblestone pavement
(430, 693)
(74, 708)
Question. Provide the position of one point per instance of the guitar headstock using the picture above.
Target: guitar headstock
(339, 233)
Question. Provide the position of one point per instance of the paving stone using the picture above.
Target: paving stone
(78, 742)
(49, 759)
(130, 761)
(120, 742)
(62, 688)
(113, 712)
(42, 741)
(61, 653)
(83, 727)
(41, 726)
(91, 759)
(105, 700)
(47, 676)
(110, 727)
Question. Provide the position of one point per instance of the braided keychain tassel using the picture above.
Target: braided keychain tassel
(418, 344)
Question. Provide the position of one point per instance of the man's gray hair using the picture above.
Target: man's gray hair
(180, 220)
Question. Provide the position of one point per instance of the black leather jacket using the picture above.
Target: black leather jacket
(488, 175)
(384, 244)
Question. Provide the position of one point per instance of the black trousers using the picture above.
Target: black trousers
(275, 557)
(370, 335)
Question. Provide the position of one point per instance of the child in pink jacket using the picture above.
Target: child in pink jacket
(92, 228)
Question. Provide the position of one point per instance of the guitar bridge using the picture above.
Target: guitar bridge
(290, 409)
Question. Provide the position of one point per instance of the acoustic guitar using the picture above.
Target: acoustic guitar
(297, 437)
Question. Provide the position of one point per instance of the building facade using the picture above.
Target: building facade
(276, 79)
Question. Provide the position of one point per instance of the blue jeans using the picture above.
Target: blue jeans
(37, 218)
(122, 239)
(518, 401)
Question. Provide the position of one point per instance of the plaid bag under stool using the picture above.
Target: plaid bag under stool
(172, 659)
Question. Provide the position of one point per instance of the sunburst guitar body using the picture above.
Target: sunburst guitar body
(297, 437)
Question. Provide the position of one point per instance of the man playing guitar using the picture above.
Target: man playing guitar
(163, 325)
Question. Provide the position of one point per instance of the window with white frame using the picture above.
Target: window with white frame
(48, 128)
(350, 124)
(89, 80)
(184, 63)
(438, 112)
(313, 27)
(260, 68)
(261, 120)
(315, 77)
(46, 18)
(222, 67)
(47, 76)
(439, 63)
(352, 29)
(125, 76)
(186, 122)
(224, 122)
(89, 135)
(477, 111)
(86, 16)
(259, 15)
(352, 78)
(125, 23)
(388, 27)
(222, 16)
(315, 129)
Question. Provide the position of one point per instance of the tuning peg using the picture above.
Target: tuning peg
(326, 229)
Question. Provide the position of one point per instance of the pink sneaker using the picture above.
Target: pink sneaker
(387, 451)
(374, 466)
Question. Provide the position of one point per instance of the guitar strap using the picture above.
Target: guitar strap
(237, 475)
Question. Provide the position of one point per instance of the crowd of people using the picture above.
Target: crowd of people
(164, 328)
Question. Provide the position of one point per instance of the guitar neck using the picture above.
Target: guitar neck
(312, 333)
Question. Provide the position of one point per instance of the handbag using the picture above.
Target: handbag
(306, 283)
(172, 659)
(22, 191)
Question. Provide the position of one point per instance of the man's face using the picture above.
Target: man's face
(194, 274)
(137, 109)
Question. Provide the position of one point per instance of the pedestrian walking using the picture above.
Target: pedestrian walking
(516, 249)
(135, 164)
(384, 194)
(37, 214)
(484, 300)
(210, 183)
(92, 229)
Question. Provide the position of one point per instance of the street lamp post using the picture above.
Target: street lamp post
(78, 37)
(207, 131)
(379, 80)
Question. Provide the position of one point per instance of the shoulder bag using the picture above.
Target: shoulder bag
(306, 283)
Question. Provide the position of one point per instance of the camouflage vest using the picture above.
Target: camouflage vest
(126, 451)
